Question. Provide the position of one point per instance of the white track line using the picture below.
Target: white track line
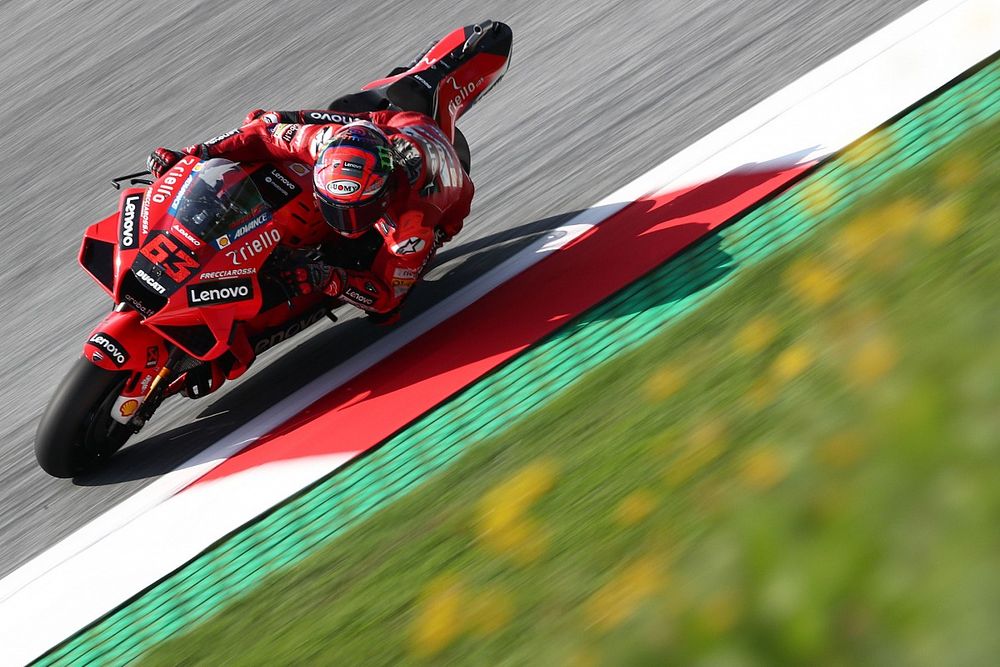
(151, 533)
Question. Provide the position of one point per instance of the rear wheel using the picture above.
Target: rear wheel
(76, 433)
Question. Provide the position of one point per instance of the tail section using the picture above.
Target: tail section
(453, 75)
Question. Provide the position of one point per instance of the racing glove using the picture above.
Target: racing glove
(308, 277)
(162, 159)
(269, 117)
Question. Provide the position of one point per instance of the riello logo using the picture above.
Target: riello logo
(165, 189)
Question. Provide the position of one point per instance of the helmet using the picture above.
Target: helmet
(351, 178)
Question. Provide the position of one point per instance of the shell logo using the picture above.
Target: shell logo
(129, 407)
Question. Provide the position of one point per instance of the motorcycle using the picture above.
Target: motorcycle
(191, 262)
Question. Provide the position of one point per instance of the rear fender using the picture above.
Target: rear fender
(121, 343)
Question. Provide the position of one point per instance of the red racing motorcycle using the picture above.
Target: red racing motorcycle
(189, 258)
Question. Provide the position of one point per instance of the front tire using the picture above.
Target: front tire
(76, 433)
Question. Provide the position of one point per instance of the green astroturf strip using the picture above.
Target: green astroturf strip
(314, 517)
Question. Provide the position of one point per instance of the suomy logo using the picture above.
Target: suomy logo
(126, 230)
(343, 187)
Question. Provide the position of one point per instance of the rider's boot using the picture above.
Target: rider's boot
(413, 63)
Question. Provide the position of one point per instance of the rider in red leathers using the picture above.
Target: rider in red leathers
(389, 179)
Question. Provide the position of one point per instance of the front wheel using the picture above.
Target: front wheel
(77, 433)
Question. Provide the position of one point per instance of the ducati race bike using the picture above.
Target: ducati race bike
(189, 258)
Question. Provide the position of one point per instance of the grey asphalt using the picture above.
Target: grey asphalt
(597, 94)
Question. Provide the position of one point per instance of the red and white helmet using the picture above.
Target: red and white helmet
(351, 178)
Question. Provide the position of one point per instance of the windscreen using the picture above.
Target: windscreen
(220, 197)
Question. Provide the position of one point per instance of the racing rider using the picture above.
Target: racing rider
(389, 183)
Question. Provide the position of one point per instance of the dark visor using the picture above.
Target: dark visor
(353, 220)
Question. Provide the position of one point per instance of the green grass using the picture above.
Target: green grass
(803, 471)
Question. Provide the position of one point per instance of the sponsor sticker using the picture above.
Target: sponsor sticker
(276, 188)
(410, 246)
(299, 169)
(327, 117)
(128, 408)
(127, 231)
(152, 356)
(150, 281)
(342, 187)
(355, 295)
(228, 273)
(220, 291)
(112, 347)
(266, 239)
(186, 235)
(221, 137)
(176, 262)
(143, 309)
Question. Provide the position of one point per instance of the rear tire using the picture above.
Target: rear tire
(76, 433)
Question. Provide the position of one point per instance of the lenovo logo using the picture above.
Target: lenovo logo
(221, 291)
(114, 349)
(126, 228)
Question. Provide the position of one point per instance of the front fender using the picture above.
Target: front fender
(121, 343)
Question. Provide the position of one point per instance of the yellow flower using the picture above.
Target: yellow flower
(664, 383)
(764, 468)
(439, 616)
(792, 362)
(815, 284)
(621, 597)
(635, 507)
(757, 334)
(873, 360)
(706, 443)
(943, 222)
(858, 238)
(502, 521)
(900, 216)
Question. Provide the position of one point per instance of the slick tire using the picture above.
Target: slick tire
(76, 433)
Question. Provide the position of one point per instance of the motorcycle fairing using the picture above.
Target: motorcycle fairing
(453, 75)
(121, 343)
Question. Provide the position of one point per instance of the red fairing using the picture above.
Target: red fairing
(121, 343)
(460, 69)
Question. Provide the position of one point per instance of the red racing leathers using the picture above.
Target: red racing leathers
(430, 198)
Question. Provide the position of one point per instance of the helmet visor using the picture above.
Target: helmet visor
(354, 220)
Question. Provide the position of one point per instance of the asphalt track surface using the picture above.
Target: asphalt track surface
(597, 94)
